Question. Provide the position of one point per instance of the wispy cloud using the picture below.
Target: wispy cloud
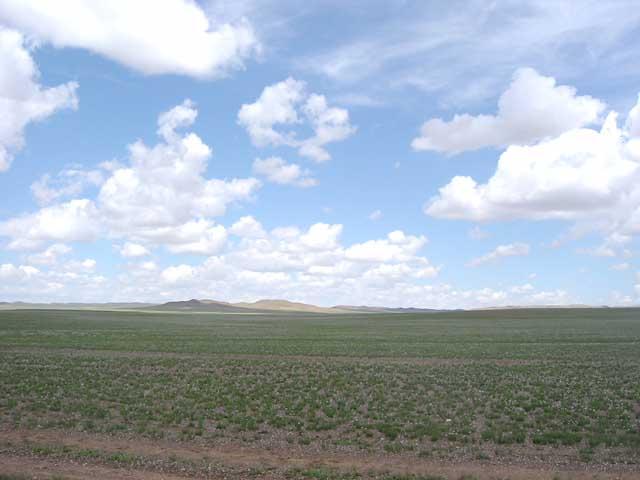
(468, 50)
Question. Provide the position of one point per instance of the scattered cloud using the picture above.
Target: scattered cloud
(133, 250)
(620, 267)
(160, 197)
(531, 109)
(287, 103)
(23, 100)
(375, 215)
(520, 289)
(276, 170)
(477, 233)
(50, 255)
(172, 36)
(248, 227)
(70, 182)
(502, 251)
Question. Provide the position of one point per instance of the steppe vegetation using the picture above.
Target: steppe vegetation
(324, 396)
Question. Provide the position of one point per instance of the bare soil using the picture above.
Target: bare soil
(274, 462)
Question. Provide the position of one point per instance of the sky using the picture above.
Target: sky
(392, 153)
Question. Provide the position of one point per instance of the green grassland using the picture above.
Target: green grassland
(471, 385)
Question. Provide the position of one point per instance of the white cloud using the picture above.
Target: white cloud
(601, 251)
(149, 266)
(502, 251)
(74, 281)
(178, 274)
(22, 99)
(160, 197)
(288, 262)
(476, 233)
(171, 36)
(69, 182)
(11, 273)
(200, 237)
(276, 105)
(276, 170)
(88, 264)
(287, 103)
(519, 289)
(633, 120)
(375, 215)
(582, 175)
(50, 255)
(620, 267)
(396, 247)
(309, 265)
(249, 227)
(133, 250)
(413, 47)
(76, 220)
(531, 109)
(321, 236)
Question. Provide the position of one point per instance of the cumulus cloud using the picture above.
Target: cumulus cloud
(50, 255)
(23, 100)
(12, 273)
(305, 264)
(172, 36)
(501, 251)
(321, 236)
(288, 104)
(178, 273)
(248, 226)
(584, 175)
(133, 250)
(76, 220)
(200, 237)
(397, 247)
(531, 109)
(288, 260)
(72, 281)
(69, 182)
(162, 196)
(159, 197)
(276, 170)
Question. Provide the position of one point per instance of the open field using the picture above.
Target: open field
(491, 394)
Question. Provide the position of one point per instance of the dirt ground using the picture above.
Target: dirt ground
(273, 463)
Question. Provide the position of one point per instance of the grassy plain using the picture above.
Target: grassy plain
(486, 393)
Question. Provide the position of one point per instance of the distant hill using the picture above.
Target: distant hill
(72, 306)
(194, 305)
(287, 306)
(276, 305)
(262, 306)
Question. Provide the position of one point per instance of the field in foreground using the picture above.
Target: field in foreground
(495, 394)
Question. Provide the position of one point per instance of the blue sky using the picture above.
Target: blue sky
(389, 153)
